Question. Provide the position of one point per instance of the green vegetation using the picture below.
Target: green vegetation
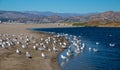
(79, 24)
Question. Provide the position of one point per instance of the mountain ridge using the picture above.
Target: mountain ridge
(48, 13)
(51, 17)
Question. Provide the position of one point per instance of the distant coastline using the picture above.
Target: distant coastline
(15, 17)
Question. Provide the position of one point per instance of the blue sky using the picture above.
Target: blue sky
(61, 6)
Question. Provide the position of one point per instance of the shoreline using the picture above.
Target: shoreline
(10, 60)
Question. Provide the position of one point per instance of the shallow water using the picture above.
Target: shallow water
(108, 57)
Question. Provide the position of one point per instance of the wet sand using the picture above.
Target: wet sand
(9, 60)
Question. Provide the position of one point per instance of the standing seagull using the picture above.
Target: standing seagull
(24, 46)
(34, 47)
(28, 55)
(55, 49)
(43, 55)
(18, 51)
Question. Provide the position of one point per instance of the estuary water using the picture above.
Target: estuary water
(105, 39)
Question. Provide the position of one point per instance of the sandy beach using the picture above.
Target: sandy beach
(9, 60)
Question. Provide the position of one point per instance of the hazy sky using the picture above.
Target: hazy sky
(62, 6)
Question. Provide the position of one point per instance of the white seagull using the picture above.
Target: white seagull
(63, 57)
(18, 51)
(28, 55)
(43, 55)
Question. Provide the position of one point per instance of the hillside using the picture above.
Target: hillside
(50, 17)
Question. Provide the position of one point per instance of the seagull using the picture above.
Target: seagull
(34, 47)
(90, 48)
(37, 44)
(43, 55)
(95, 50)
(112, 45)
(64, 43)
(18, 42)
(77, 51)
(97, 43)
(60, 43)
(41, 39)
(69, 53)
(41, 49)
(28, 55)
(62, 63)
(45, 47)
(55, 49)
(27, 40)
(110, 35)
(63, 46)
(49, 49)
(24, 46)
(18, 51)
(63, 57)
(3, 46)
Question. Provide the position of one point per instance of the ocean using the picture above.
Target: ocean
(105, 39)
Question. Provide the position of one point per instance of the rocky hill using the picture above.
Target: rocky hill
(50, 17)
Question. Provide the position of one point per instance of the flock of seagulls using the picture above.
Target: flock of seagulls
(53, 43)
(77, 47)
(24, 43)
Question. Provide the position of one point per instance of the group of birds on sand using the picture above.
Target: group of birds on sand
(55, 42)
(24, 43)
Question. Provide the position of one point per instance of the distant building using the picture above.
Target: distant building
(0, 21)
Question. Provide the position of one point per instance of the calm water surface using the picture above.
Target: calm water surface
(108, 57)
